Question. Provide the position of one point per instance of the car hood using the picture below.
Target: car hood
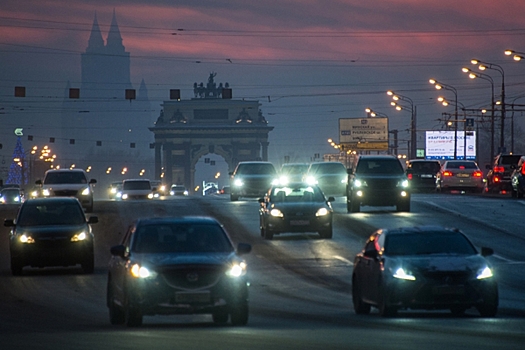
(440, 263)
(51, 231)
(58, 187)
(288, 207)
(380, 176)
(173, 259)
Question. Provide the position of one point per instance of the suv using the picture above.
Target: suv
(136, 189)
(330, 176)
(251, 179)
(421, 174)
(498, 177)
(68, 183)
(377, 181)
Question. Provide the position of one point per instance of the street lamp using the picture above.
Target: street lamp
(413, 118)
(517, 56)
(373, 113)
(440, 86)
(486, 65)
(474, 75)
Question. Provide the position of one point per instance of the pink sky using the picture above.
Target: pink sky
(277, 48)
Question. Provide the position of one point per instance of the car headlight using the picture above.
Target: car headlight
(46, 192)
(403, 183)
(113, 190)
(237, 269)
(359, 183)
(404, 275)
(486, 272)
(344, 180)
(283, 180)
(2, 200)
(26, 239)
(276, 213)
(186, 192)
(322, 212)
(34, 194)
(310, 180)
(238, 182)
(124, 196)
(82, 236)
(138, 271)
(86, 191)
(150, 195)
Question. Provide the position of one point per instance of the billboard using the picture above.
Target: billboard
(440, 145)
(364, 133)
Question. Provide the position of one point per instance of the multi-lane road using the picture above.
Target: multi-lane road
(300, 284)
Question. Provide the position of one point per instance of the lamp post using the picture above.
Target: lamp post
(445, 103)
(413, 120)
(516, 55)
(473, 75)
(486, 65)
(440, 86)
(371, 113)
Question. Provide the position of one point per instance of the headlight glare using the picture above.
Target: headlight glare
(141, 271)
(86, 191)
(238, 182)
(276, 213)
(322, 212)
(237, 269)
(404, 275)
(26, 239)
(484, 273)
(46, 192)
(79, 237)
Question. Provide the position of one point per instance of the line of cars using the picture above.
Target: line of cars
(143, 189)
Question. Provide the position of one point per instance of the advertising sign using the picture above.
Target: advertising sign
(364, 133)
(440, 145)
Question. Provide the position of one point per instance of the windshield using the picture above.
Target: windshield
(379, 166)
(329, 168)
(294, 169)
(430, 167)
(461, 165)
(297, 194)
(136, 185)
(442, 242)
(255, 169)
(69, 177)
(51, 214)
(181, 238)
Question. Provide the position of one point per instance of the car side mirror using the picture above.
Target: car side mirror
(9, 222)
(331, 199)
(38, 182)
(485, 251)
(92, 181)
(371, 254)
(487, 166)
(243, 248)
(118, 250)
(349, 171)
(261, 200)
(93, 220)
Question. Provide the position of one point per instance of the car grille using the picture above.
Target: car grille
(66, 193)
(447, 277)
(191, 277)
(382, 184)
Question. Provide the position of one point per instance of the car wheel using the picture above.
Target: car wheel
(262, 232)
(489, 308)
(354, 206)
(234, 198)
(116, 314)
(519, 194)
(16, 267)
(513, 193)
(403, 206)
(326, 234)
(239, 314)
(386, 310)
(220, 317)
(88, 265)
(132, 314)
(268, 234)
(360, 307)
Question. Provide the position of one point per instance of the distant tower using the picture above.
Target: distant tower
(106, 66)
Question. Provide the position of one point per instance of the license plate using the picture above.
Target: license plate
(200, 297)
(449, 290)
(299, 222)
(463, 175)
(426, 176)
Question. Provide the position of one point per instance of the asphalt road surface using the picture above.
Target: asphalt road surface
(300, 284)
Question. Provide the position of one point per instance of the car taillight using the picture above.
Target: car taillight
(496, 179)
(499, 169)
(478, 173)
(523, 169)
(409, 176)
(447, 173)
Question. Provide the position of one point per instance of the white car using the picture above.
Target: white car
(68, 183)
(136, 189)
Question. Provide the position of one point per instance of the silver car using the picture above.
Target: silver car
(460, 175)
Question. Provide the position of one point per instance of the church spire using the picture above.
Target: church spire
(95, 43)
(114, 42)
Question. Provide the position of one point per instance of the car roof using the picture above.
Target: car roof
(419, 229)
(65, 170)
(136, 180)
(178, 220)
(423, 161)
(377, 156)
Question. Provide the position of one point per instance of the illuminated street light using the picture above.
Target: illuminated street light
(474, 75)
(516, 55)
(487, 65)
(413, 119)
(440, 86)
(373, 113)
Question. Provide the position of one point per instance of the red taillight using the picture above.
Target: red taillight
(496, 179)
(478, 173)
(499, 169)
(447, 173)
(409, 176)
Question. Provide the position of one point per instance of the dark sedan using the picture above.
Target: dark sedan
(423, 268)
(51, 232)
(295, 207)
(185, 265)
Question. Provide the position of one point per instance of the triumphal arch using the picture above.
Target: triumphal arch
(210, 122)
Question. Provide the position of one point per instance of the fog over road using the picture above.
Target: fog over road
(300, 284)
